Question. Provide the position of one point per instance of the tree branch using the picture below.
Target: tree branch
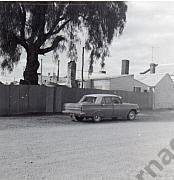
(61, 27)
(23, 21)
(43, 37)
(53, 46)
(38, 22)
(21, 41)
(54, 26)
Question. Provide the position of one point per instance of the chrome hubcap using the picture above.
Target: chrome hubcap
(97, 118)
(131, 115)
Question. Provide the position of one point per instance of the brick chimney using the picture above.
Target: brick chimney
(71, 75)
(152, 68)
(125, 67)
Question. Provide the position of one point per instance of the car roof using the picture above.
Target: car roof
(101, 95)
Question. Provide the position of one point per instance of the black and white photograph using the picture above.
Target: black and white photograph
(87, 90)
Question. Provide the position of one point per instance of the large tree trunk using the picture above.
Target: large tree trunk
(30, 73)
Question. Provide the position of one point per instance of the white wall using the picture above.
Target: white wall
(122, 83)
(140, 84)
(101, 84)
(47, 79)
(126, 83)
(164, 93)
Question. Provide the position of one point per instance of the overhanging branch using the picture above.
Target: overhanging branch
(43, 37)
(21, 41)
(23, 21)
(61, 27)
(54, 26)
(53, 46)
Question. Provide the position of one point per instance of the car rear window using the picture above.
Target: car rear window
(89, 99)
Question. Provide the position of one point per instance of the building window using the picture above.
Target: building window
(137, 89)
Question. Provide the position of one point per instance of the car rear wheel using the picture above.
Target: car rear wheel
(97, 118)
(131, 115)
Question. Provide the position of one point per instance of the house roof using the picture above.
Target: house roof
(149, 79)
(105, 76)
(165, 69)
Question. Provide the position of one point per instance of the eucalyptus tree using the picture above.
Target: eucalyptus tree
(41, 27)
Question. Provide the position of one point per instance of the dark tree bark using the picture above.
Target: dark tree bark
(30, 73)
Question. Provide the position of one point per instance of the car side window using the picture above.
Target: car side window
(107, 100)
(116, 100)
(89, 99)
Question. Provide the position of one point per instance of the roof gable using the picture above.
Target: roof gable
(150, 79)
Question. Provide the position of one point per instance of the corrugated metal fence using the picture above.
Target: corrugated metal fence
(22, 99)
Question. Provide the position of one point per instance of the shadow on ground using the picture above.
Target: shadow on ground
(61, 120)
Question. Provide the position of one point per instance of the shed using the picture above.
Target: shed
(162, 87)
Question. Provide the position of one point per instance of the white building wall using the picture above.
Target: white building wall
(143, 86)
(122, 83)
(164, 93)
(127, 83)
(47, 79)
(101, 84)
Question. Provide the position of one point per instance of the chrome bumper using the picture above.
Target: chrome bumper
(138, 111)
(78, 113)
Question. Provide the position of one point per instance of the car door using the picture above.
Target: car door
(107, 107)
(118, 108)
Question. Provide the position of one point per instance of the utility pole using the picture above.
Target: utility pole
(41, 71)
(82, 64)
(152, 53)
(58, 62)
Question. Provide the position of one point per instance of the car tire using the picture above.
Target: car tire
(77, 118)
(131, 115)
(97, 118)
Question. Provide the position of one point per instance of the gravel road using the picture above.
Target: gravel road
(55, 148)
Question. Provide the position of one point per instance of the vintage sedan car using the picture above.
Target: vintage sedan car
(101, 106)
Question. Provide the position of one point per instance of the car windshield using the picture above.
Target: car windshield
(89, 99)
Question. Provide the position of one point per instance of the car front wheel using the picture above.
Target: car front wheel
(97, 118)
(76, 118)
(79, 118)
(131, 115)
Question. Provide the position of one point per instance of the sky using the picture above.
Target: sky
(150, 25)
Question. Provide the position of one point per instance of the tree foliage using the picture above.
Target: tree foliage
(54, 26)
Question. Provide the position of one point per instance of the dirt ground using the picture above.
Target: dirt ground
(55, 148)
